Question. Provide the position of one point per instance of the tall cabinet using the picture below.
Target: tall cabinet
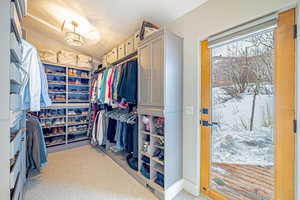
(160, 105)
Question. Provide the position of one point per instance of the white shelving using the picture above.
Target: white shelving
(64, 133)
(17, 150)
(59, 76)
(159, 97)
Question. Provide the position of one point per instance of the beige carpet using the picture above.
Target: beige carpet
(84, 174)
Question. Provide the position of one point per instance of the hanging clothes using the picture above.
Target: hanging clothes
(116, 86)
(36, 147)
(128, 83)
(99, 133)
(101, 98)
(34, 90)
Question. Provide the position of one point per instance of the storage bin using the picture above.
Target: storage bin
(149, 31)
(114, 55)
(15, 20)
(15, 48)
(48, 56)
(129, 46)
(84, 61)
(67, 58)
(121, 51)
(136, 40)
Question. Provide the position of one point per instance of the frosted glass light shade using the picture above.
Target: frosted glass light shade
(74, 39)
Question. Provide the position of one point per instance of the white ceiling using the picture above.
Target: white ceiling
(104, 23)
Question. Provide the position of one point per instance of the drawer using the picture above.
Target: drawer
(114, 54)
(121, 51)
(136, 40)
(15, 171)
(15, 74)
(16, 143)
(15, 49)
(15, 102)
(129, 46)
(15, 21)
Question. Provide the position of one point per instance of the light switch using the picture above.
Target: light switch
(189, 110)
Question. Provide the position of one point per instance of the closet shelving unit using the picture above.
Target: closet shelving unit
(160, 97)
(66, 122)
(12, 117)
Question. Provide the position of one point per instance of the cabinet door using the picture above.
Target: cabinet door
(145, 75)
(157, 71)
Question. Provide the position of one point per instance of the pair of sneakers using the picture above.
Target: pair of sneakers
(160, 154)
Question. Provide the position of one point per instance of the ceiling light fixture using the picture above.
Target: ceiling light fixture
(73, 38)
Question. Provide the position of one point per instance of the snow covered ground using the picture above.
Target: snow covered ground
(233, 142)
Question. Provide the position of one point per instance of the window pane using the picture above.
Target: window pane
(243, 98)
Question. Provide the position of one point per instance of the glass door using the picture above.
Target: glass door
(242, 143)
(248, 108)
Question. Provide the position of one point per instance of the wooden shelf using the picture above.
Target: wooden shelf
(54, 126)
(78, 139)
(53, 74)
(157, 160)
(79, 85)
(79, 77)
(78, 115)
(54, 117)
(145, 132)
(146, 154)
(56, 83)
(81, 123)
(52, 145)
(54, 135)
(77, 132)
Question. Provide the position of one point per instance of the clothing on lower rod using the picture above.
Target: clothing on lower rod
(111, 130)
(121, 134)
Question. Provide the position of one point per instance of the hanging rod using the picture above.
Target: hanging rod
(127, 58)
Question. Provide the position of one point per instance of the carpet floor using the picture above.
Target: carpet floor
(84, 174)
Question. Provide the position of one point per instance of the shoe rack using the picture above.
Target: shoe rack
(151, 148)
(68, 84)
(66, 122)
(64, 125)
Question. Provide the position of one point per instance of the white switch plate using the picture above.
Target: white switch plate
(189, 110)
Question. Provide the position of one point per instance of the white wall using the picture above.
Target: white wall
(210, 18)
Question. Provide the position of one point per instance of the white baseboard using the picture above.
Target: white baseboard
(175, 189)
(191, 188)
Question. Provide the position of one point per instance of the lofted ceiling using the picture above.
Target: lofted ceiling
(103, 23)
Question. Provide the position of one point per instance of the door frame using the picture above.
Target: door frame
(285, 106)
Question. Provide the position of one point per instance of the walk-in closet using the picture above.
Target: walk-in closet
(149, 100)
